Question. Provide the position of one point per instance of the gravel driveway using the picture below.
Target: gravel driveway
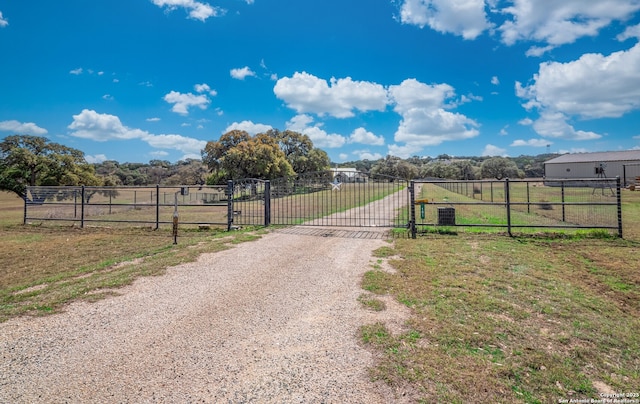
(274, 320)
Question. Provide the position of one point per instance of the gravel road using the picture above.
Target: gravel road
(274, 320)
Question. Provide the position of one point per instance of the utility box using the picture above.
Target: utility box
(446, 216)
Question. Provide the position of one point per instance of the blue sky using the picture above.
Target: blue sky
(136, 80)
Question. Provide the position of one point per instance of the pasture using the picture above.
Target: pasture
(537, 318)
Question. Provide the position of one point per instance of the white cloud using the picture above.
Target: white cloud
(531, 143)
(495, 80)
(425, 120)
(594, 86)
(153, 119)
(249, 127)
(77, 71)
(343, 156)
(159, 153)
(319, 137)
(27, 128)
(197, 10)
(491, 150)
(98, 158)
(367, 155)
(466, 18)
(242, 73)
(108, 97)
(554, 125)
(182, 102)
(405, 151)
(525, 122)
(3, 21)
(550, 23)
(503, 131)
(556, 23)
(204, 88)
(104, 127)
(306, 93)
(630, 32)
(361, 135)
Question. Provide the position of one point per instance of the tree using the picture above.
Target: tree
(299, 151)
(238, 155)
(32, 160)
(499, 168)
(395, 167)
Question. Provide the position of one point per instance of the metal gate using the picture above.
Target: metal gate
(336, 198)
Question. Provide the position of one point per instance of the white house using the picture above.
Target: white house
(623, 164)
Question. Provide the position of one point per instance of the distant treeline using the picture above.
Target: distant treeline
(193, 171)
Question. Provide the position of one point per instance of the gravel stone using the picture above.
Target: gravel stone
(270, 321)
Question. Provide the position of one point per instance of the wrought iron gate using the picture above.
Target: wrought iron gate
(336, 198)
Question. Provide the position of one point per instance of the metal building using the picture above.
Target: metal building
(625, 164)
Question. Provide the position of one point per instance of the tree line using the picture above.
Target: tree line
(33, 160)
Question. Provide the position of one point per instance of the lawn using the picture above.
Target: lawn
(534, 319)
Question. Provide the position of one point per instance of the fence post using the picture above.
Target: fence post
(507, 197)
(619, 201)
(267, 203)
(157, 206)
(82, 208)
(563, 207)
(412, 209)
(25, 198)
(528, 199)
(229, 204)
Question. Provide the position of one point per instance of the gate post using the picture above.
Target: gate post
(82, 209)
(619, 202)
(229, 204)
(507, 197)
(412, 209)
(267, 203)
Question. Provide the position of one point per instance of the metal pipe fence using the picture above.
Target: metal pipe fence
(520, 204)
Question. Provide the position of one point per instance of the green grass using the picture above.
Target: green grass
(498, 319)
(43, 268)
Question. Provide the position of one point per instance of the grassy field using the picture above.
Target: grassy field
(42, 268)
(530, 319)
(533, 319)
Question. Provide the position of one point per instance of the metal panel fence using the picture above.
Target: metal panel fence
(519, 204)
(150, 206)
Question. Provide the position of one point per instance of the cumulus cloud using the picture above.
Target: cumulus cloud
(77, 71)
(242, 73)
(361, 135)
(92, 125)
(531, 143)
(155, 119)
(630, 32)
(249, 127)
(561, 22)
(594, 86)
(495, 80)
(549, 23)
(465, 18)
(3, 21)
(97, 159)
(27, 128)
(306, 93)
(204, 88)
(320, 138)
(492, 151)
(366, 155)
(182, 102)
(425, 118)
(197, 10)
(404, 151)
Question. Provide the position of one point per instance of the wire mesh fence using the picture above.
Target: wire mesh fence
(126, 206)
(519, 204)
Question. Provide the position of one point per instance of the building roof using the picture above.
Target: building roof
(626, 155)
